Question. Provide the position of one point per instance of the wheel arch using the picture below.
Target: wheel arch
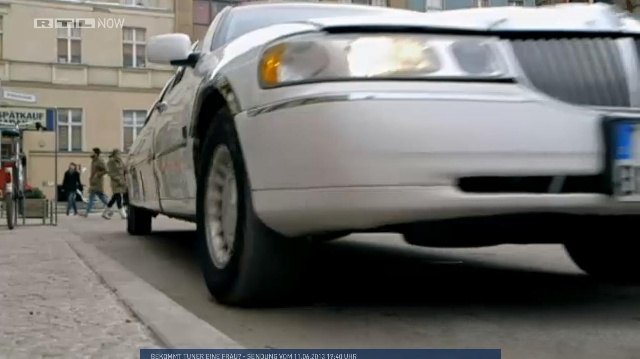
(212, 96)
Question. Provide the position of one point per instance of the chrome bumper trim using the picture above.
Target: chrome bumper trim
(383, 96)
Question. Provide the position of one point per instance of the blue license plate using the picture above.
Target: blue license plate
(626, 160)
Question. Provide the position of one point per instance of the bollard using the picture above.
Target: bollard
(44, 211)
(51, 213)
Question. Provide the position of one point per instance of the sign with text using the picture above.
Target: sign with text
(24, 117)
(19, 96)
(320, 353)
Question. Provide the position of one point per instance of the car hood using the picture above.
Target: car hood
(560, 18)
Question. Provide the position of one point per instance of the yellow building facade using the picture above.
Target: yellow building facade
(93, 83)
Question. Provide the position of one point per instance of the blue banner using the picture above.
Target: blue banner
(51, 120)
(320, 353)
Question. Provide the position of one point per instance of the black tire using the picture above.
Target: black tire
(139, 221)
(9, 206)
(265, 267)
(605, 252)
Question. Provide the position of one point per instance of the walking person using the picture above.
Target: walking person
(96, 180)
(115, 169)
(70, 185)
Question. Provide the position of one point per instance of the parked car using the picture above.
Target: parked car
(290, 122)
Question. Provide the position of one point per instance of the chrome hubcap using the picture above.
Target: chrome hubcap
(221, 207)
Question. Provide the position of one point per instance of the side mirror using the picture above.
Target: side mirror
(174, 49)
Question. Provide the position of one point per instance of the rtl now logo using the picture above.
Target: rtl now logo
(79, 23)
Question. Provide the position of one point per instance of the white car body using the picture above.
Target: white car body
(537, 129)
(366, 154)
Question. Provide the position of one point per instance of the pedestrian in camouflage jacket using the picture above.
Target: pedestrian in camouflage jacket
(115, 168)
(96, 180)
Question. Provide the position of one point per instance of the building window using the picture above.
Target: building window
(5, 151)
(203, 12)
(482, 3)
(69, 129)
(143, 3)
(369, 2)
(1, 34)
(217, 6)
(515, 3)
(136, 2)
(69, 45)
(132, 123)
(434, 5)
(133, 47)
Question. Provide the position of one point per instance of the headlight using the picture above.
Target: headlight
(389, 56)
(309, 58)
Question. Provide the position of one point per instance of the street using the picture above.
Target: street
(375, 291)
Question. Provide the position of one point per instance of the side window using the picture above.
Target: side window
(154, 109)
(170, 84)
(178, 77)
(166, 88)
(215, 35)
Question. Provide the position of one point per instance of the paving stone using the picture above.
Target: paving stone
(53, 306)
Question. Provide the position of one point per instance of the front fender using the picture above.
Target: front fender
(218, 89)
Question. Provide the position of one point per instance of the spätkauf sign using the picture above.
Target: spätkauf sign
(24, 117)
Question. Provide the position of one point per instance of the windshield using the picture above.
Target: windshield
(245, 20)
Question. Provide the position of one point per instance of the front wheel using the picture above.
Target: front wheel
(605, 251)
(244, 262)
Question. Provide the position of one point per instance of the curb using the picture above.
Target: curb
(175, 326)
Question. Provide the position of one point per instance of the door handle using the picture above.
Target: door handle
(162, 106)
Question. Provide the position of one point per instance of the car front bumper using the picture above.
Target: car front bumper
(352, 158)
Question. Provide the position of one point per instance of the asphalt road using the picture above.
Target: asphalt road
(375, 291)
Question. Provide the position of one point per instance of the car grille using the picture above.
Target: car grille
(583, 71)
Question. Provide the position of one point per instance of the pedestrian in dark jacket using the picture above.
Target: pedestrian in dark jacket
(70, 185)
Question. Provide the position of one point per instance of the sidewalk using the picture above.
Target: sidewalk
(53, 305)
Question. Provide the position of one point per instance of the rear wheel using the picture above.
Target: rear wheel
(139, 221)
(614, 258)
(244, 262)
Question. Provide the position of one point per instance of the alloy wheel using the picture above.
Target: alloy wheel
(221, 208)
